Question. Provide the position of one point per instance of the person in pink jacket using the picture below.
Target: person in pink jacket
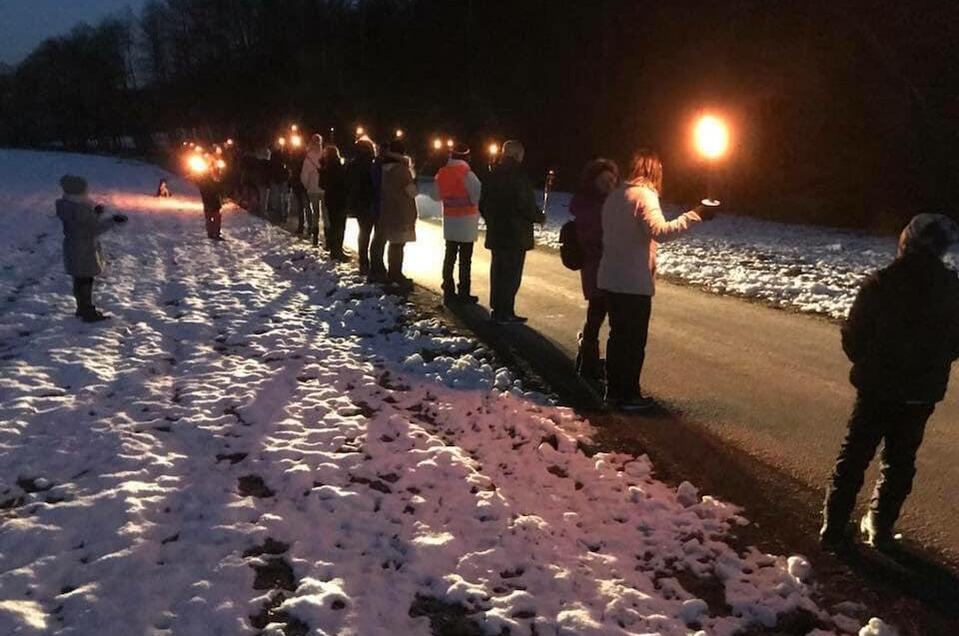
(633, 226)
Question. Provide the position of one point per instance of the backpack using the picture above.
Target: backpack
(569, 251)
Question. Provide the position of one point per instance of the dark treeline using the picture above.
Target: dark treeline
(843, 112)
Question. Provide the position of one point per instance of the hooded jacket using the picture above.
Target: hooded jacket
(397, 217)
(82, 254)
(902, 333)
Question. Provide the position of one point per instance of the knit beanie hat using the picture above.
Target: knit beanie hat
(928, 233)
(73, 184)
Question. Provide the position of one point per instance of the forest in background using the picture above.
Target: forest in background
(842, 113)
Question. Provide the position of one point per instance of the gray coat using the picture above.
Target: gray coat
(82, 255)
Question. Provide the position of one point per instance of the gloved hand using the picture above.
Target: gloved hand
(120, 218)
(707, 212)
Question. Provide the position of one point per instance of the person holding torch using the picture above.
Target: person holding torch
(633, 225)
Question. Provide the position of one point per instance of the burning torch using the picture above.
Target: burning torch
(493, 150)
(711, 136)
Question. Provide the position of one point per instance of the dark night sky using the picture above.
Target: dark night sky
(25, 23)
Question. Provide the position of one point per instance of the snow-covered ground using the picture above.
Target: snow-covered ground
(805, 268)
(260, 441)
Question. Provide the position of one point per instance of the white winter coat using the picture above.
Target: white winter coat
(464, 229)
(633, 225)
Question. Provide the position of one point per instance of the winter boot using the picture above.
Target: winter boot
(588, 363)
(876, 535)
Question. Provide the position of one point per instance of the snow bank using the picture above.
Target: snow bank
(806, 268)
(259, 437)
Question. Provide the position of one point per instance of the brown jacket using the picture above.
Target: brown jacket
(397, 221)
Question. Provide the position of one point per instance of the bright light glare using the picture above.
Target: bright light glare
(281, 141)
(712, 137)
(197, 164)
(494, 149)
(360, 131)
(399, 133)
(296, 140)
(449, 142)
(220, 164)
(437, 144)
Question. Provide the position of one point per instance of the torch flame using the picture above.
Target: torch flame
(281, 141)
(360, 131)
(494, 149)
(399, 133)
(711, 136)
(437, 144)
(296, 141)
(449, 142)
(197, 164)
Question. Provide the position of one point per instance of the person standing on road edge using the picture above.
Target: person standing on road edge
(396, 224)
(83, 222)
(902, 336)
(299, 199)
(359, 181)
(310, 178)
(633, 225)
(459, 189)
(333, 182)
(508, 205)
(599, 178)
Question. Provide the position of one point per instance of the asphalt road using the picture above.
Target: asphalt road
(769, 383)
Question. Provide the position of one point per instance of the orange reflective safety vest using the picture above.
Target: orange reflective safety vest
(451, 186)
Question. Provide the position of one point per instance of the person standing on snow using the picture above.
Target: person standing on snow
(902, 336)
(310, 179)
(459, 189)
(396, 224)
(333, 182)
(211, 194)
(299, 198)
(508, 205)
(600, 177)
(633, 225)
(359, 181)
(83, 221)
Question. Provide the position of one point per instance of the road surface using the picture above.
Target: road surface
(771, 383)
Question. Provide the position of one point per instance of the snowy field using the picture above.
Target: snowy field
(259, 442)
(805, 268)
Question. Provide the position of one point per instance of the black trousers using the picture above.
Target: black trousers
(900, 428)
(377, 249)
(394, 258)
(464, 252)
(335, 229)
(626, 347)
(83, 293)
(301, 202)
(213, 221)
(595, 317)
(363, 242)
(506, 275)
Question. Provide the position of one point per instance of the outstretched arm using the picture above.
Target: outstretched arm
(649, 213)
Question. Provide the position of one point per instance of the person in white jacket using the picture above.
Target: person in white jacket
(633, 226)
(310, 178)
(459, 188)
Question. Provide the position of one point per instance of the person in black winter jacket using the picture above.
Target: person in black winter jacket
(508, 205)
(333, 182)
(211, 194)
(902, 336)
(360, 198)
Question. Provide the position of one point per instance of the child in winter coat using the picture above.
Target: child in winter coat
(83, 221)
(902, 336)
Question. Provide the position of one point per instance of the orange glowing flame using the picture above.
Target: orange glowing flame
(437, 144)
(711, 136)
(281, 142)
(399, 133)
(449, 142)
(493, 149)
(360, 131)
(197, 164)
(296, 141)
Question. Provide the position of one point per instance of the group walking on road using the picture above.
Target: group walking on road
(902, 333)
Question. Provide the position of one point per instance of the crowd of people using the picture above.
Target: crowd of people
(902, 334)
